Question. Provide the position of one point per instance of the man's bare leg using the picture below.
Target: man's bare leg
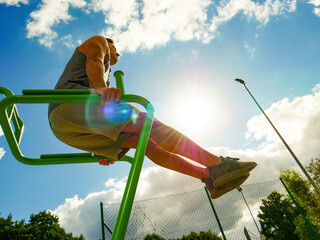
(173, 141)
(167, 159)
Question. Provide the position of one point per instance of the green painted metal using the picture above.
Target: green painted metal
(9, 115)
(119, 81)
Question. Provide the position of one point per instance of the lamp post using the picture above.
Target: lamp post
(284, 142)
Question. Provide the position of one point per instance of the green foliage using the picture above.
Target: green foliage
(307, 199)
(201, 236)
(153, 237)
(192, 236)
(314, 170)
(276, 217)
(41, 226)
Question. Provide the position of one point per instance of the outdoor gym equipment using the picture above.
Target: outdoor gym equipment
(284, 142)
(13, 126)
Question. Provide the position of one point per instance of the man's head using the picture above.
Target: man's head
(113, 52)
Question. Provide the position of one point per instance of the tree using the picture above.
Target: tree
(153, 237)
(306, 197)
(12, 230)
(278, 207)
(201, 236)
(314, 169)
(42, 226)
(192, 236)
(276, 217)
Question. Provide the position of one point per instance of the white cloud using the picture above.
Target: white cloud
(117, 13)
(251, 50)
(161, 21)
(146, 24)
(167, 20)
(50, 14)
(261, 12)
(68, 41)
(316, 3)
(316, 11)
(14, 2)
(2, 152)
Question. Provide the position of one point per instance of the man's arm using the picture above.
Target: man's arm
(96, 50)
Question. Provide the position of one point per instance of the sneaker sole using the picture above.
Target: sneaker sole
(218, 192)
(246, 167)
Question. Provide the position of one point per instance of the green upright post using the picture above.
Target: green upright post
(119, 81)
(122, 221)
(102, 221)
(215, 213)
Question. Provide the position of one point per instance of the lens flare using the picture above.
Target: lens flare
(116, 112)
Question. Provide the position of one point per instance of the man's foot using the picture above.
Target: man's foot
(229, 169)
(218, 192)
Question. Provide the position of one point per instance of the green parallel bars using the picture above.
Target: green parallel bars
(9, 114)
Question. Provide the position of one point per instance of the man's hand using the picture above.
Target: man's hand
(105, 161)
(109, 95)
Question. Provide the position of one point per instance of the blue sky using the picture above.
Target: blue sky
(181, 55)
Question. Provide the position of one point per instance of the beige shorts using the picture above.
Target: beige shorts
(92, 127)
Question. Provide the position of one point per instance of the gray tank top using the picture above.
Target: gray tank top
(74, 75)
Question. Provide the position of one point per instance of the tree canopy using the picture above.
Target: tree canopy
(278, 215)
(192, 236)
(41, 226)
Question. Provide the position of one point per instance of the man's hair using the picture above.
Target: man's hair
(110, 40)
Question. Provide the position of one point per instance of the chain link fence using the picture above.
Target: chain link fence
(177, 215)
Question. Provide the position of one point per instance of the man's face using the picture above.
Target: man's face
(113, 54)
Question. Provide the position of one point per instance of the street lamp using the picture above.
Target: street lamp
(284, 142)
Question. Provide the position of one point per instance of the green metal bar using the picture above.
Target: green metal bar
(215, 213)
(55, 91)
(102, 221)
(122, 221)
(119, 81)
(306, 222)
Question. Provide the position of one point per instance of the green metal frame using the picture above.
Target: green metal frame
(13, 126)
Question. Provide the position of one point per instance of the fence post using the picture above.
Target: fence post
(246, 233)
(215, 213)
(102, 221)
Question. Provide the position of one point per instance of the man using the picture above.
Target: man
(93, 128)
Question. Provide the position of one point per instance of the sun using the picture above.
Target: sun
(193, 113)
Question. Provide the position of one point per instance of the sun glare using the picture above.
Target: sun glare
(193, 113)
